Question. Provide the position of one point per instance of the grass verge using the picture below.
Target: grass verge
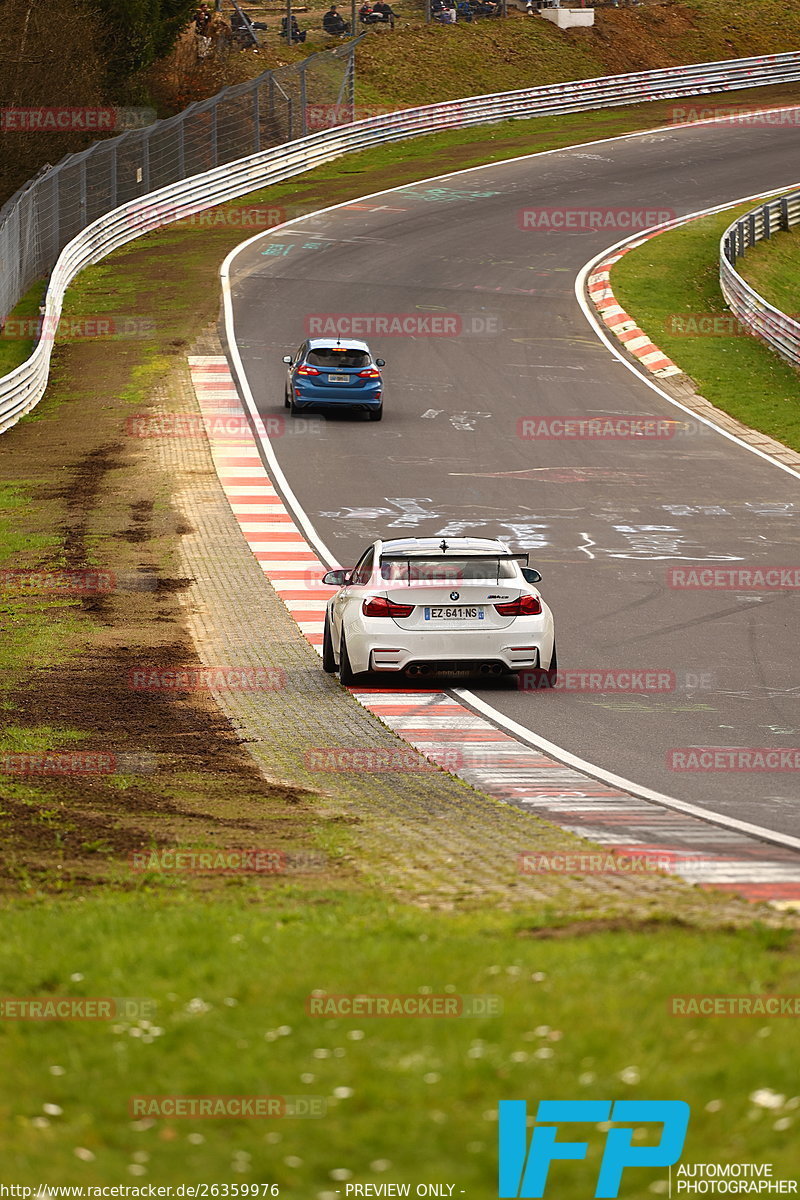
(408, 1100)
(670, 285)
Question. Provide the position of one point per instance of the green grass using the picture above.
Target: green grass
(773, 269)
(14, 346)
(230, 985)
(675, 276)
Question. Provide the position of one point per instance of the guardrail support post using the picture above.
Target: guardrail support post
(784, 209)
(751, 230)
(766, 222)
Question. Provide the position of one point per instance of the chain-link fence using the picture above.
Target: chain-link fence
(45, 214)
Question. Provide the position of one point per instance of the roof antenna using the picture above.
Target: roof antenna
(443, 545)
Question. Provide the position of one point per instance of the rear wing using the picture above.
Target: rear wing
(410, 558)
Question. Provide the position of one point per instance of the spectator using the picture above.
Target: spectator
(387, 13)
(298, 34)
(334, 24)
(202, 20)
(367, 15)
(464, 10)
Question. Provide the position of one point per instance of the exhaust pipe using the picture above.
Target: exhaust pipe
(418, 669)
(490, 669)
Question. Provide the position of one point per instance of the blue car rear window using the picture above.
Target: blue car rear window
(331, 358)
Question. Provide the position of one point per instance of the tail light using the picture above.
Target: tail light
(307, 371)
(379, 606)
(523, 606)
(370, 373)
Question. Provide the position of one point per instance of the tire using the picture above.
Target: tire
(375, 414)
(346, 675)
(328, 661)
(286, 401)
(293, 409)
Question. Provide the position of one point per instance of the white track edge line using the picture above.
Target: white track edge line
(329, 559)
(618, 781)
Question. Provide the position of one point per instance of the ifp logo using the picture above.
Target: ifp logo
(524, 1169)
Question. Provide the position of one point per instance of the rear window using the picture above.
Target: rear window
(455, 570)
(329, 357)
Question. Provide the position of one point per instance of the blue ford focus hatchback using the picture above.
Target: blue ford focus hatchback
(334, 374)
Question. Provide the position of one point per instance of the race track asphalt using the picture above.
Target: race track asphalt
(605, 520)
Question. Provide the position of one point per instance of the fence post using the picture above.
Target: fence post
(213, 147)
(349, 83)
(303, 104)
(114, 171)
(55, 219)
(751, 229)
(784, 210)
(290, 117)
(83, 193)
(765, 222)
(257, 118)
(145, 161)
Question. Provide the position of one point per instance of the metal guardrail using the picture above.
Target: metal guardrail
(779, 330)
(24, 387)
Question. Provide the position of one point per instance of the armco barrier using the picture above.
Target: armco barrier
(24, 387)
(780, 331)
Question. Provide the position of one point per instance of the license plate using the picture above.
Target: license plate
(454, 614)
(338, 379)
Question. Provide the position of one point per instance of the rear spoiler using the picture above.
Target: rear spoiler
(410, 558)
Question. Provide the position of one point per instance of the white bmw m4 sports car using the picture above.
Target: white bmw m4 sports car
(422, 606)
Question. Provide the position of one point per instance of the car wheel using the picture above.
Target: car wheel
(286, 401)
(346, 675)
(375, 414)
(328, 661)
(552, 670)
(293, 409)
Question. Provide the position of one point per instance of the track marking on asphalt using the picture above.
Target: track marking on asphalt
(459, 731)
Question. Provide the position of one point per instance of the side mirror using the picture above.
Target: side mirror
(287, 358)
(380, 362)
(531, 575)
(336, 578)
